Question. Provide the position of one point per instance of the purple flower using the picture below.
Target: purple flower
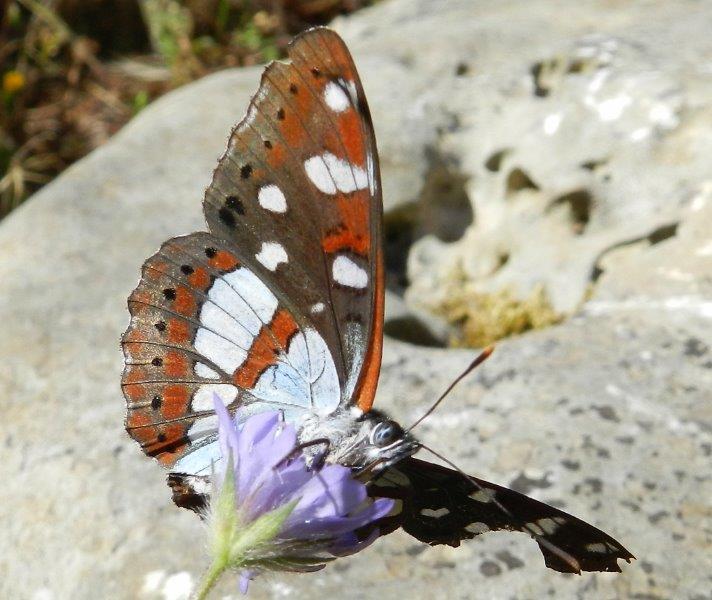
(270, 510)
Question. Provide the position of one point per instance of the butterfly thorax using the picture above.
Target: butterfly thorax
(368, 440)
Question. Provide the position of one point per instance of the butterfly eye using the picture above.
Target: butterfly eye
(385, 433)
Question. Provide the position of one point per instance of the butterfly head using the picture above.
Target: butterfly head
(380, 443)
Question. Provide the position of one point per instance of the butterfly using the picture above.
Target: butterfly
(279, 306)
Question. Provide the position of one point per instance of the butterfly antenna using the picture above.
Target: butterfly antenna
(562, 554)
(482, 357)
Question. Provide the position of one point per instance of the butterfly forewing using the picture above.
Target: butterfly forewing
(441, 506)
(298, 191)
(280, 305)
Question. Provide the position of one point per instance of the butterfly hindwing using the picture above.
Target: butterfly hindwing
(298, 190)
(441, 506)
(203, 324)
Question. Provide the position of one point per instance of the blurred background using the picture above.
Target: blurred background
(75, 71)
(547, 186)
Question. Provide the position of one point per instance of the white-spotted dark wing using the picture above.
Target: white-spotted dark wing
(441, 506)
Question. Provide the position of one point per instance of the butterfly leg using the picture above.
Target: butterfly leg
(318, 459)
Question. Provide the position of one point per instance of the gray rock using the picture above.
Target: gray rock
(607, 415)
(572, 139)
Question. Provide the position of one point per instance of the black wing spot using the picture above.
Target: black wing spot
(210, 252)
(293, 88)
(235, 204)
(187, 269)
(169, 294)
(280, 114)
(161, 437)
(268, 145)
(157, 362)
(156, 402)
(316, 72)
(245, 171)
(226, 217)
(161, 325)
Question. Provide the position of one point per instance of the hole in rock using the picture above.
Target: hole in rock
(538, 72)
(443, 209)
(411, 330)
(502, 260)
(663, 233)
(579, 204)
(462, 69)
(494, 162)
(592, 165)
(518, 180)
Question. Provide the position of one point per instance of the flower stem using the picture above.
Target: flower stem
(209, 580)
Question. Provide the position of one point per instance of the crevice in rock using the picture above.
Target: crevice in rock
(546, 74)
(659, 234)
(494, 162)
(443, 209)
(594, 164)
(399, 233)
(502, 260)
(538, 71)
(462, 69)
(411, 330)
(663, 233)
(579, 204)
(519, 180)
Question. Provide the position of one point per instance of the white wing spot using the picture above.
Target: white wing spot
(203, 427)
(435, 514)
(535, 529)
(239, 304)
(272, 198)
(317, 308)
(483, 496)
(548, 525)
(395, 478)
(597, 547)
(204, 371)
(477, 528)
(348, 273)
(271, 255)
(335, 97)
(203, 397)
(397, 508)
(371, 168)
(331, 174)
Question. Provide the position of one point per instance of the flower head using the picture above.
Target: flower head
(270, 510)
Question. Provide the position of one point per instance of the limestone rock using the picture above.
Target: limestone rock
(607, 415)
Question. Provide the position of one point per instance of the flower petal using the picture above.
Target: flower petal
(227, 435)
(254, 454)
(349, 543)
(332, 491)
(278, 487)
(246, 575)
(334, 526)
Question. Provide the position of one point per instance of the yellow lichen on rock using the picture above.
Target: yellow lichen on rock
(481, 318)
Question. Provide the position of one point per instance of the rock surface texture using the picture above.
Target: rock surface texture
(523, 143)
